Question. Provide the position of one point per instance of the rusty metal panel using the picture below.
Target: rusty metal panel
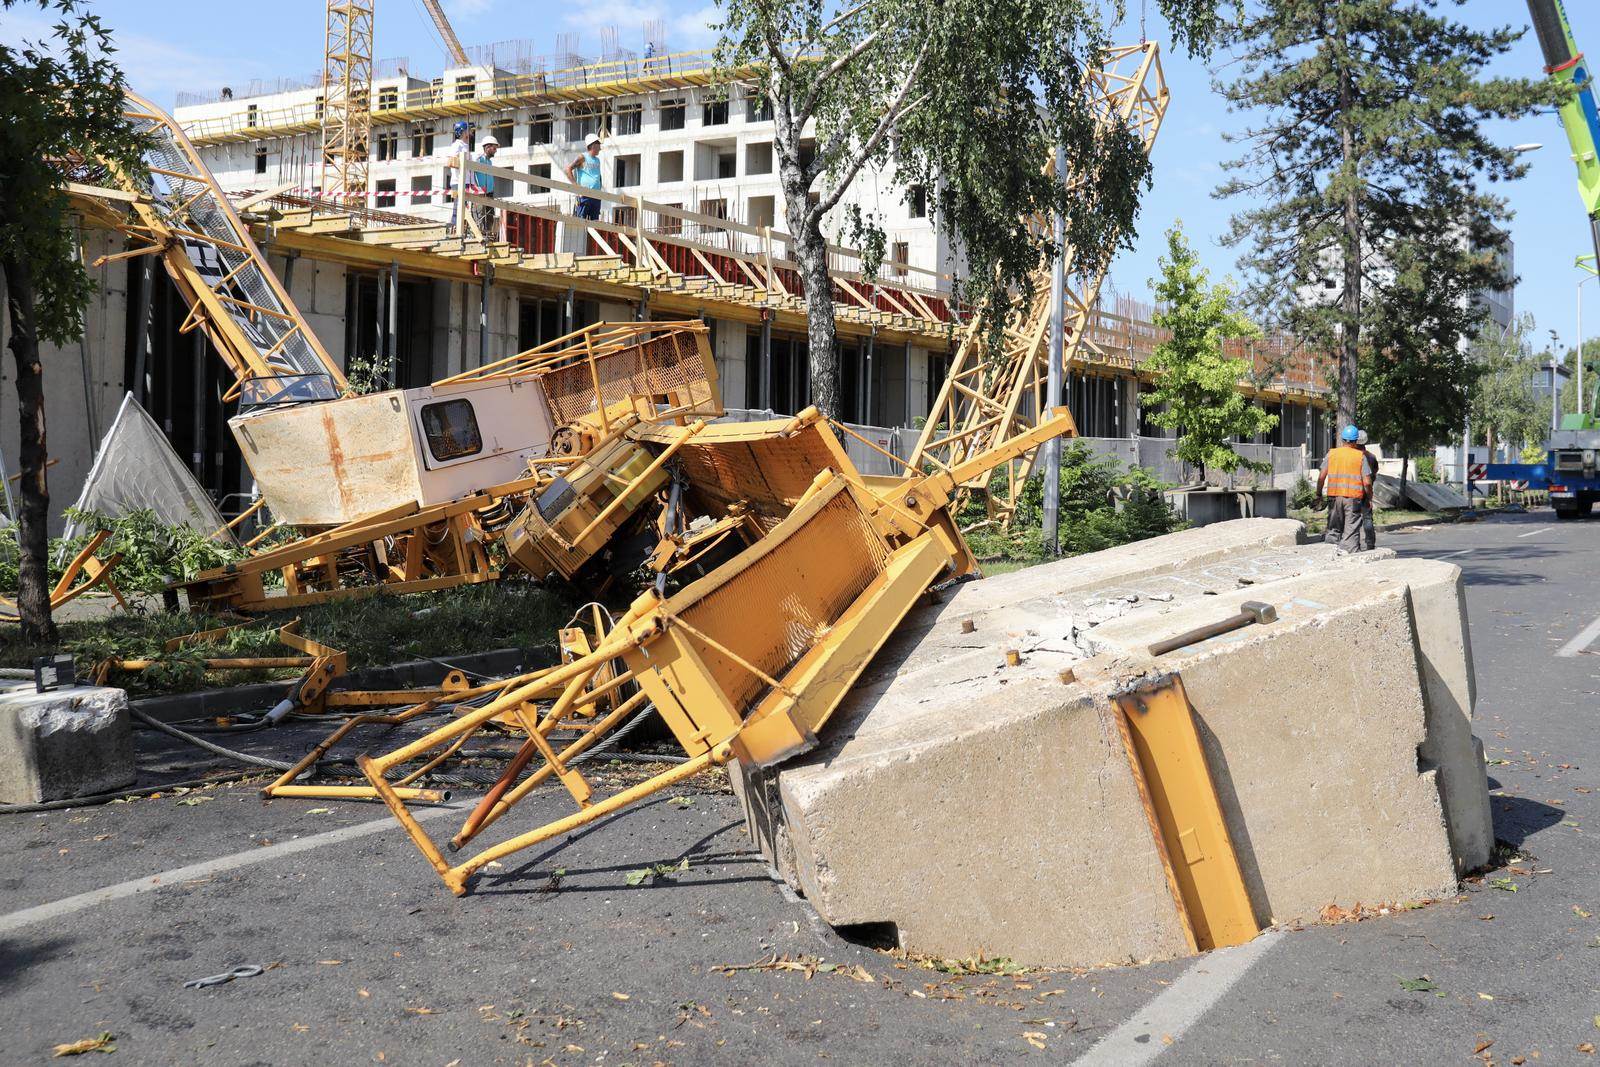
(329, 463)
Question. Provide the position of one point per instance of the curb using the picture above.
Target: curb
(258, 697)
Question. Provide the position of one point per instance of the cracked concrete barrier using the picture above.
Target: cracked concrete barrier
(63, 743)
(989, 809)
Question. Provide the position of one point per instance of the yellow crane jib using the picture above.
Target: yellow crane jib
(231, 292)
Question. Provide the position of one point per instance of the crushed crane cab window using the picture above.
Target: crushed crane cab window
(451, 430)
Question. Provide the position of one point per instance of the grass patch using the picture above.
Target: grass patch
(374, 631)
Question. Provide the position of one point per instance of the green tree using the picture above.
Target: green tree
(1196, 383)
(62, 104)
(1591, 378)
(1505, 406)
(965, 99)
(1372, 138)
(1415, 381)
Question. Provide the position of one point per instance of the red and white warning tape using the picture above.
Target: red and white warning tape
(377, 194)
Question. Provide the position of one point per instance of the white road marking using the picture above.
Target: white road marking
(1581, 642)
(1140, 1040)
(1540, 530)
(16, 920)
(1457, 552)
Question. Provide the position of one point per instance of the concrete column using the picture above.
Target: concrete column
(391, 326)
(866, 377)
(198, 452)
(765, 381)
(484, 281)
(141, 337)
(381, 355)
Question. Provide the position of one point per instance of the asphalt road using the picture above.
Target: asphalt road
(557, 958)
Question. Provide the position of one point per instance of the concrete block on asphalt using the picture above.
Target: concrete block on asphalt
(987, 809)
(69, 742)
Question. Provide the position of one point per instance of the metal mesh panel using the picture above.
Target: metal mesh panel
(778, 608)
(204, 215)
(670, 363)
(769, 475)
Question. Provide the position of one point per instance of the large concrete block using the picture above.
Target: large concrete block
(982, 808)
(64, 743)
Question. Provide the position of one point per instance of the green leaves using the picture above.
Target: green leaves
(1420, 985)
(62, 98)
(964, 98)
(1506, 371)
(658, 870)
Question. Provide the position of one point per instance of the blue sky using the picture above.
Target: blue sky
(172, 45)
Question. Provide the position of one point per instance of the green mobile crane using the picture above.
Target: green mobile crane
(1571, 470)
(1566, 65)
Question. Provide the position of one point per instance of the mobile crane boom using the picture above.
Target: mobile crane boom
(1579, 115)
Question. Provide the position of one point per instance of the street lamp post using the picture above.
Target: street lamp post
(1058, 313)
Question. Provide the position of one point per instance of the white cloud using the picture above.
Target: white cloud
(154, 68)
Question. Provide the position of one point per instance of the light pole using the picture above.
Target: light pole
(1584, 263)
(1058, 312)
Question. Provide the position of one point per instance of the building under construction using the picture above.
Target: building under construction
(691, 227)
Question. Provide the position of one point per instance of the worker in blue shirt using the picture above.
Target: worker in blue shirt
(585, 171)
(487, 184)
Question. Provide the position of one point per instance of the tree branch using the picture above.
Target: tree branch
(898, 108)
(833, 69)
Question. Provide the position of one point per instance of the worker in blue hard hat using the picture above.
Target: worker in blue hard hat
(460, 149)
(1346, 482)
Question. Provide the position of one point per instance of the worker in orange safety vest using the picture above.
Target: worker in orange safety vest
(1346, 481)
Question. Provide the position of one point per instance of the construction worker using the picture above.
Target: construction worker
(487, 183)
(1347, 485)
(1369, 525)
(585, 171)
(460, 148)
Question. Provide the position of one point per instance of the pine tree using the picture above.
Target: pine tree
(1371, 140)
(1196, 382)
(1415, 380)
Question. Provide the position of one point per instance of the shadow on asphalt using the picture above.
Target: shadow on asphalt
(1480, 565)
(1518, 818)
(15, 958)
(517, 880)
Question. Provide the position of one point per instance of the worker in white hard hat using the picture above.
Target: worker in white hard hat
(487, 185)
(460, 148)
(1369, 526)
(585, 171)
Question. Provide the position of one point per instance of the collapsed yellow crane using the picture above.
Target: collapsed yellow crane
(792, 567)
(749, 659)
